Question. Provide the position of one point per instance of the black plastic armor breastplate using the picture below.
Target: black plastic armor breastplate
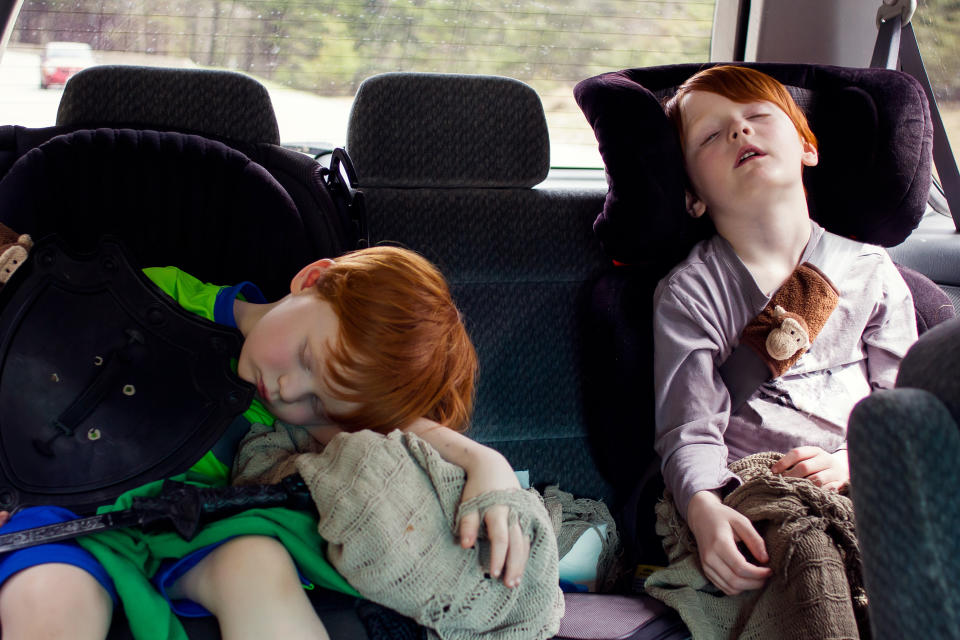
(105, 381)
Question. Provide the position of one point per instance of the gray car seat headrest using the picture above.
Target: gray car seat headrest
(220, 104)
(472, 131)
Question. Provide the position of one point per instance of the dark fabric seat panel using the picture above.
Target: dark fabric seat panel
(493, 235)
(172, 198)
(520, 263)
(529, 383)
(566, 462)
(904, 444)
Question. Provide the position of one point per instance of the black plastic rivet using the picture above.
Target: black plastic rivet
(219, 345)
(8, 499)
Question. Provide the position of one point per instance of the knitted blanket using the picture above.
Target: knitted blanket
(388, 509)
(816, 590)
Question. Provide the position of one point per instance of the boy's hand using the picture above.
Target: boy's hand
(509, 548)
(4, 517)
(717, 529)
(487, 470)
(829, 471)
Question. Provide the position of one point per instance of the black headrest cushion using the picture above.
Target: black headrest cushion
(875, 141)
(173, 199)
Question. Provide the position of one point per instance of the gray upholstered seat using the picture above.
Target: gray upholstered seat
(448, 164)
(905, 480)
(219, 104)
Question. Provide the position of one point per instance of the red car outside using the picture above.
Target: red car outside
(63, 59)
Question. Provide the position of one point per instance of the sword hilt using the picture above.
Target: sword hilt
(186, 507)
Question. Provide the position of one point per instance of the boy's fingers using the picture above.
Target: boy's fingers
(726, 578)
(833, 486)
(496, 521)
(785, 462)
(748, 535)
(740, 569)
(801, 470)
(469, 526)
(739, 575)
(824, 478)
(718, 580)
(517, 556)
(794, 456)
(4, 516)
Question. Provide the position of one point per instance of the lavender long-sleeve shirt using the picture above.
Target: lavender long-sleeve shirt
(700, 309)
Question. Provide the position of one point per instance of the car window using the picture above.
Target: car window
(937, 26)
(313, 54)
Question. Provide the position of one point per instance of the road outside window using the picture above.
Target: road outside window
(313, 54)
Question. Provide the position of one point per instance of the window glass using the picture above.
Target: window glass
(313, 54)
(937, 26)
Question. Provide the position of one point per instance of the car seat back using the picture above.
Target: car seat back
(448, 165)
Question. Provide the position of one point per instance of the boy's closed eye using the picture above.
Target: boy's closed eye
(710, 138)
(305, 358)
(713, 135)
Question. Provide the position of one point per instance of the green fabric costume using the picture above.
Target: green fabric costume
(132, 557)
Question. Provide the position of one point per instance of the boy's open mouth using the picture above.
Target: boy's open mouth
(747, 153)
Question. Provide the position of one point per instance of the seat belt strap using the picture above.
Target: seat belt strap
(744, 371)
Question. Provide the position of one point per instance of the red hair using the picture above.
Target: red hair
(402, 351)
(739, 84)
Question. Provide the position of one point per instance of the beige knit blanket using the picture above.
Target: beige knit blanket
(816, 590)
(388, 508)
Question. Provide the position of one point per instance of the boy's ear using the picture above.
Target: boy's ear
(809, 156)
(695, 206)
(309, 275)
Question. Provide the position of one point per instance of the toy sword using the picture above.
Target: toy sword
(180, 507)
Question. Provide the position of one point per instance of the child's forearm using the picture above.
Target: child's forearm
(454, 447)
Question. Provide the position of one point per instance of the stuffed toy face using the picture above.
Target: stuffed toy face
(13, 252)
(790, 337)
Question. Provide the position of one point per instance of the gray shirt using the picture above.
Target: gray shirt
(701, 308)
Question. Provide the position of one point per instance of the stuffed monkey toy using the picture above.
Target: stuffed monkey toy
(796, 313)
(13, 252)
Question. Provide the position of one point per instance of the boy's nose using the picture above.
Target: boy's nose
(290, 388)
(739, 129)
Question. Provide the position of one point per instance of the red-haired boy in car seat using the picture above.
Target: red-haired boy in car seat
(745, 145)
(371, 340)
